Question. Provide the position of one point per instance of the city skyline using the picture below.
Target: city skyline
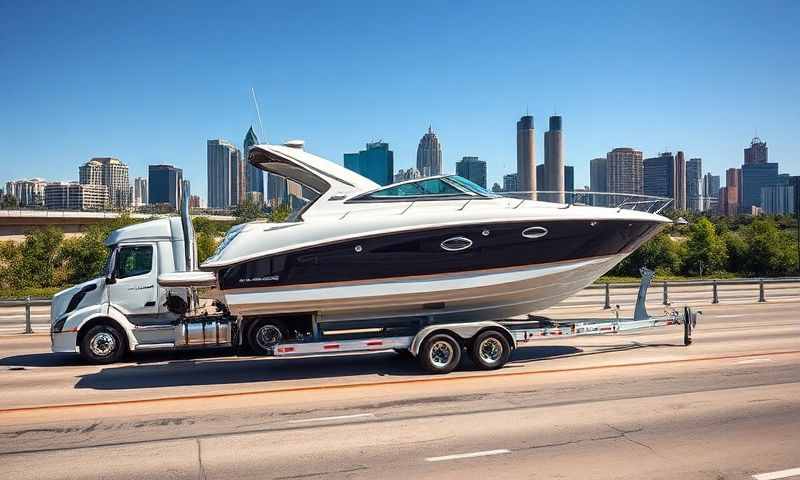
(471, 93)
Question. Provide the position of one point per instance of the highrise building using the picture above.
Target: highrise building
(710, 192)
(625, 171)
(472, 169)
(276, 191)
(376, 162)
(659, 175)
(254, 177)
(554, 160)
(526, 155)
(569, 184)
(598, 173)
(679, 184)
(510, 183)
(75, 196)
(407, 174)
(28, 193)
(756, 152)
(165, 183)
(729, 199)
(194, 201)
(778, 199)
(112, 173)
(429, 155)
(140, 192)
(694, 184)
(754, 177)
(225, 174)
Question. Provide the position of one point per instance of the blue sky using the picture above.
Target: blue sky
(150, 82)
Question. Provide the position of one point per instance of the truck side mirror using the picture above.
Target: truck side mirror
(110, 280)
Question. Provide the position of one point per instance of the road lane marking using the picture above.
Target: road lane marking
(458, 456)
(753, 360)
(342, 386)
(731, 315)
(328, 419)
(792, 472)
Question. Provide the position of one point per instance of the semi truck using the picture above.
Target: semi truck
(133, 306)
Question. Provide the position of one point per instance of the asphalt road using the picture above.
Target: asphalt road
(626, 406)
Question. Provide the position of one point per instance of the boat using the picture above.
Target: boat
(440, 248)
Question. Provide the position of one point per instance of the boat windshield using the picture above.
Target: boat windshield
(448, 187)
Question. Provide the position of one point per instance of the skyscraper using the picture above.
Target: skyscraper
(165, 184)
(277, 190)
(729, 203)
(140, 192)
(778, 199)
(526, 155)
(224, 174)
(659, 175)
(598, 173)
(429, 155)
(569, 176)
(625, 170)
(407, 174)
(112, 173)
(510, 183)
(756, 152)
(76, 196)
(754, 177)
(554, 160)
(679, 184)
(710, 192)
(694, 184)
(376, 162)
(254, 177)
(28, 193)
(472, 169)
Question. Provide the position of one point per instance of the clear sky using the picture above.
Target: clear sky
(150, 82)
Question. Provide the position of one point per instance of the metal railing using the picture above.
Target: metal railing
(628, 201)
(715, 285)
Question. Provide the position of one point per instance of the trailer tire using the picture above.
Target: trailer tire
(490, 350)
(263, 336)
(439, 353)
(103, 344)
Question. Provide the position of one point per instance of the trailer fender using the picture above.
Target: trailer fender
(463, 331)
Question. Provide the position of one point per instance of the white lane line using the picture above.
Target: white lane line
(731, 315)
(792, 472)
(327, 419)
(753, 360)
(458, 456)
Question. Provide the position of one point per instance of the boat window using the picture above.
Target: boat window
(423, 188)
(471, 186)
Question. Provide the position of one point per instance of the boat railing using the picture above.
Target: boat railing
(628, 201)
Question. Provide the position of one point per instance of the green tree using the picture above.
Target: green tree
(737, 252)
(705, 251)
(661, 253)
(281, 213)
(247, 211)
(36, 260)
(8, 202)
(770, 251)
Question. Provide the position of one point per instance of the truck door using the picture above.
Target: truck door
(134, 288)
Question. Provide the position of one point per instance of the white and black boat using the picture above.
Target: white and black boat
(439, 248)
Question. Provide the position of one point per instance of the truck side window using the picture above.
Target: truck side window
(134, 260)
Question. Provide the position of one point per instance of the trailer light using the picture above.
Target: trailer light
(332, 346)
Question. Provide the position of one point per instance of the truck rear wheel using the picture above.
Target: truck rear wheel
(264, 336)
(439, 353)
(102, 344)
(490, 350)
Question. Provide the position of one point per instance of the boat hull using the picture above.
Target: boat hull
(468, 296)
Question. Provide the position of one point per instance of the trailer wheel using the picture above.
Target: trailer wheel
(264, 336)
(439, 353)
(102, 344)
(490, 350)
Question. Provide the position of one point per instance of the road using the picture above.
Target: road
(626, 406)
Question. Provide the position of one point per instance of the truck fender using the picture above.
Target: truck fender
(109, 314)
(462, 331)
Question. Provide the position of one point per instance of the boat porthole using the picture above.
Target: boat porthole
(485, 233)
(359, 249)
(456, 244)
(534, 232)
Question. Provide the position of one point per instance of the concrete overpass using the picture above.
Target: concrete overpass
(15, 223)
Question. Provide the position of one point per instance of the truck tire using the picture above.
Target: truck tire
(439, 353)
(103, 344)
(263, 336)
(490, 350)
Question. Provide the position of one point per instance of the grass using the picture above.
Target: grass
(18, 294)
(661, 277)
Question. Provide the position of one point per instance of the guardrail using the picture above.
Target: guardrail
(29, 302)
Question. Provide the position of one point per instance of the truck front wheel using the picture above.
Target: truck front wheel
(102, 344)
(264, 336)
